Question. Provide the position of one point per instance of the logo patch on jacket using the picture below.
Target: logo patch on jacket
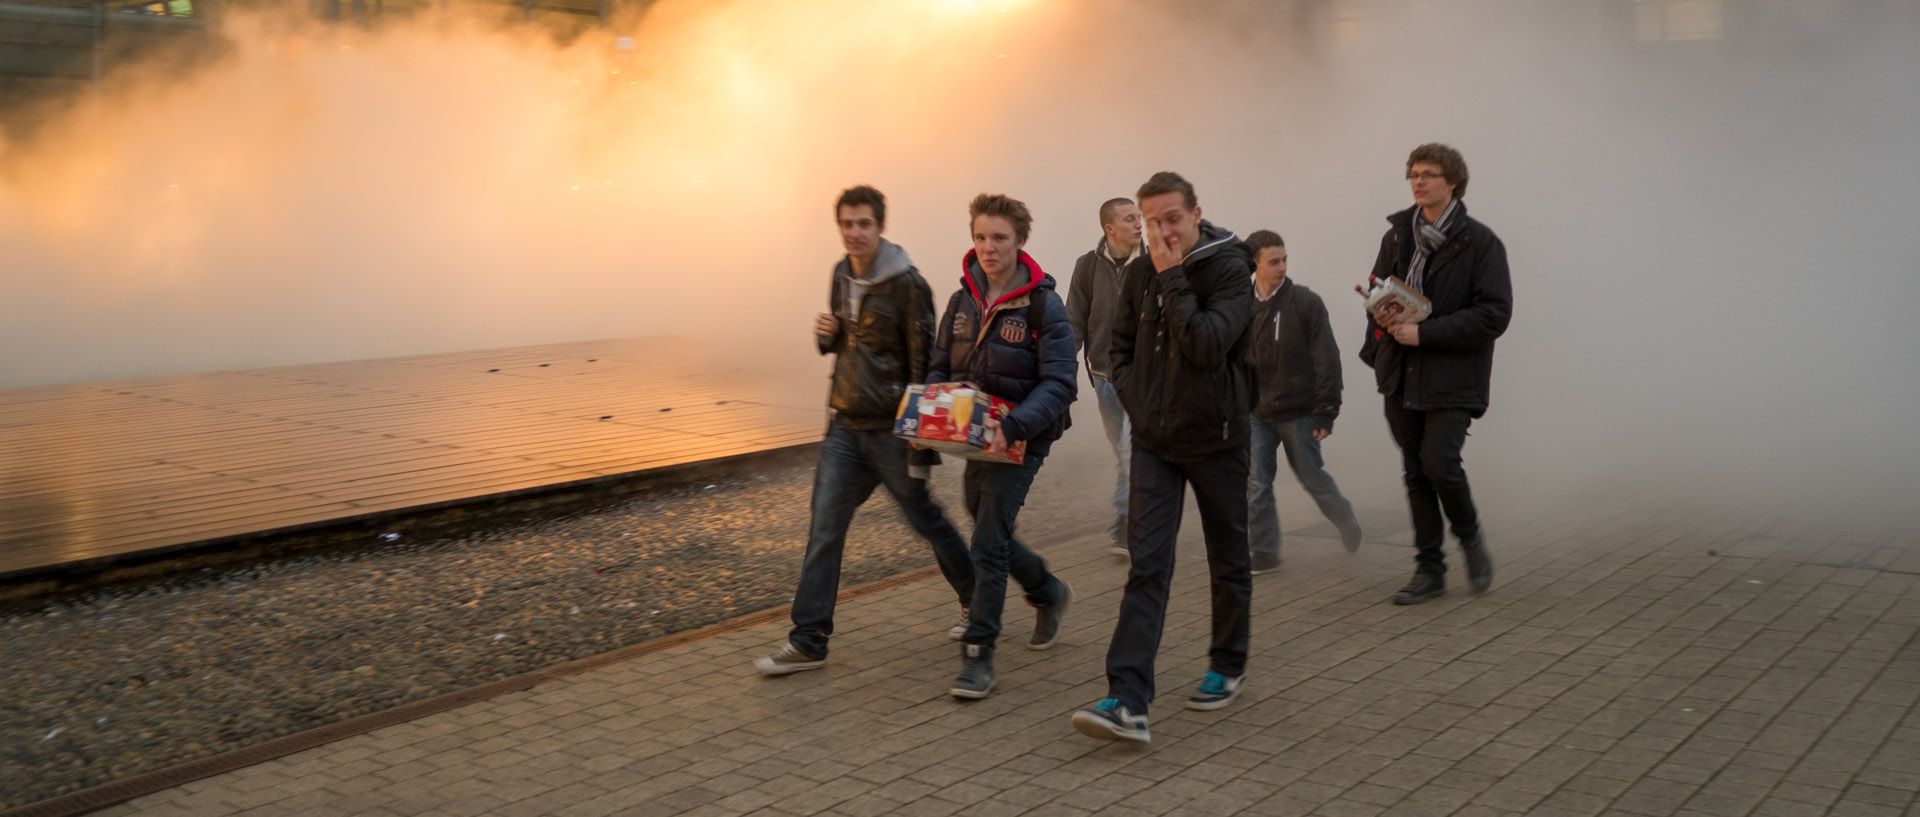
(960, 324)
(1013, 329)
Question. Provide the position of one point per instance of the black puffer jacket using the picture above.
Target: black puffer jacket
(1295, 360)
(1029, 366)
(1472, 295)
(1180, 345)
(885, 336)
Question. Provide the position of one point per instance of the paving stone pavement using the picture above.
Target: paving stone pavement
(1628, 661)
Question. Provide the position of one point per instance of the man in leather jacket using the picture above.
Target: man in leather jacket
(880, 332)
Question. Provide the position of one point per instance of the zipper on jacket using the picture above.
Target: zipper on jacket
(1224, 427)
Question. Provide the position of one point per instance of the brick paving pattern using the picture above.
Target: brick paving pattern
(1627, 662)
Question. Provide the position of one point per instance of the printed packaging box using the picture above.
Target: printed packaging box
(952, 418)
(1392, 297)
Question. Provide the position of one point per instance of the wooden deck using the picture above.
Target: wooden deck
(99, 471)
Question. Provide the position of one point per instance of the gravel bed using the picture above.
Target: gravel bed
(111, 683)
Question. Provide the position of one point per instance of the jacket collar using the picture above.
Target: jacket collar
(1403, 220)
(1285, 284)
(1106, 252)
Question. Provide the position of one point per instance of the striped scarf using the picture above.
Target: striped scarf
(1427, 238)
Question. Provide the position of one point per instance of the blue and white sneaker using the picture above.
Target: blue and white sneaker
(1110, 720)
(1215, 692)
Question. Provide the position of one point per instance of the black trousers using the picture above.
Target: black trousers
(1155, 500)
(1430, 443)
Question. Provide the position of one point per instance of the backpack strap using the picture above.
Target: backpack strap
(1036, 306)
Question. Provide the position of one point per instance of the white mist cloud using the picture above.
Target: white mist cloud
(1708, 238)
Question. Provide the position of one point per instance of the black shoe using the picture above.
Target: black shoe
(1423, 586)
(1479, 562)
(1349, 534)
(976, 673)
(1047, 618)
(1265, 562)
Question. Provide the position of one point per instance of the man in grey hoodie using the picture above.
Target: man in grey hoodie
(881, 334)
(1091, 299)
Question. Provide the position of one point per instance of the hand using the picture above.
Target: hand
(1405, 334)
(826, 326)
(1164, 251)
(996, 439)
(1322, 433)
(917, 446)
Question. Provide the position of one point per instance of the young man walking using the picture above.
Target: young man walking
(1006, 331)
(880, 332)
(1179, 363)
(1436, 373)
(1091, 299)
(1296, 365)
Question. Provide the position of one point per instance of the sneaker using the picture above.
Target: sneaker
(1047, 618)
(1110, 720)
(1120, 550)
(959, 631)
(1215, 692)
(787, 661)
(976, 673)
(1265, 563)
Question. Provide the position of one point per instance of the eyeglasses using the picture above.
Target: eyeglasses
(1428, 177)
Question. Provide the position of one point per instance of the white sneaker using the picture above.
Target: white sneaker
(959, 631)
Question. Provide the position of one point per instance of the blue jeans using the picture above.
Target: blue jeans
(1303, 458)
(995, 491)
(852, 463)
(1120, 436)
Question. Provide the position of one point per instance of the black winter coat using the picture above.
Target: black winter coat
(1295, 360)
(1029, 366)
(1472, 295)
(1180, 346)
(883, 348)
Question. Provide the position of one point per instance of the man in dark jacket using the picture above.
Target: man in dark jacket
(1091, 300)
(1179, 363)
(1436, 373)
(1297, 366)
(880, 332)
(1006, 331)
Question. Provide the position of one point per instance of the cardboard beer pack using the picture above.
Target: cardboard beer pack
(1391, 297)
(952, 418)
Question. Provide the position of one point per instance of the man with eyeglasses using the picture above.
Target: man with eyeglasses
(1435, 372)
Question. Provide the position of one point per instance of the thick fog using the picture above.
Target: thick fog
(1706, 203)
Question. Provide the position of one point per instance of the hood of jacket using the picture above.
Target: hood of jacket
(1213, 239)
(889, 261)
(975, 279)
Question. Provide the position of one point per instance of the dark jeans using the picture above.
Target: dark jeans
(994, 493)
(1430, 444)
(1303, 459)
(852, 464)
(1156, 499)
